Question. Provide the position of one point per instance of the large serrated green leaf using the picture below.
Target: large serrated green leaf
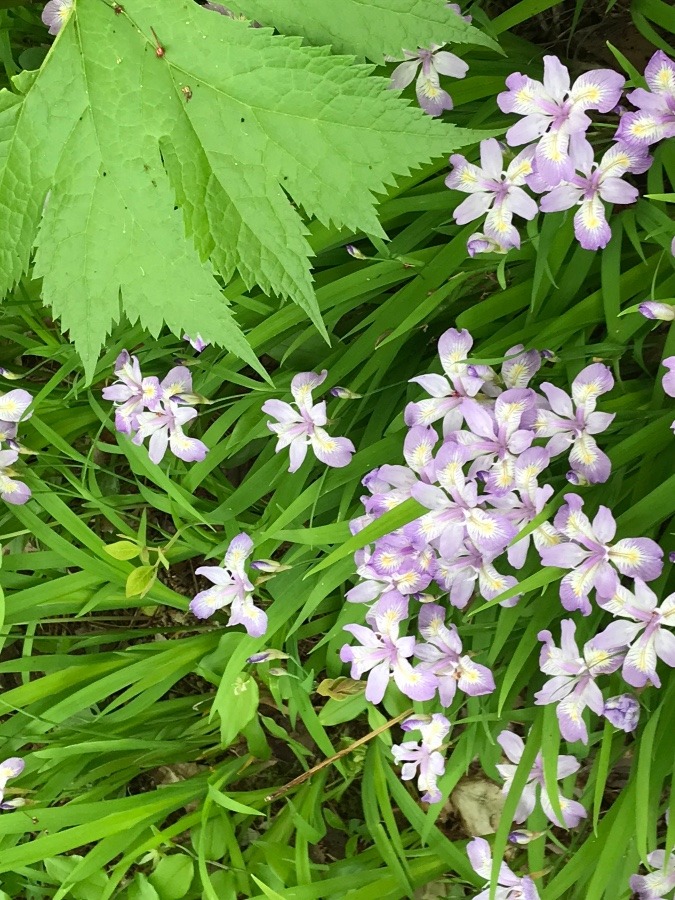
(239, 126)
(367, 28)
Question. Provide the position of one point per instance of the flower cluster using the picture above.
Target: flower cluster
(558, 160)
(147, 407)
(477, 452)
(13, 407)
(231, 587)
(300, 424)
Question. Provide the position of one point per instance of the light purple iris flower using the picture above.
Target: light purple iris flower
(657, 884)
(233, 588)
(389, 486)
(131, 393)
(669, 378)
(197, 342)
(572, 685)
(424, 755)
(448, 395)
(496, 438)
(651, 309)
(656, 117)
(509, 885)
(301, 427)
(597, 182)
(434, 62)
(395, 568)
(452, 518)
(56, 13)
(11, 490)
(165, 429)
(385, 655)
(555, 113)
(493, 190)
(468, 566)
(9, 768)
(441, 655)
(645, 635)
(526, 502)
(594, 561)
(513, 747)
(570, 427)
(623, 712)
(520, 366)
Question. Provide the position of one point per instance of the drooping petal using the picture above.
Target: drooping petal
(590, 225)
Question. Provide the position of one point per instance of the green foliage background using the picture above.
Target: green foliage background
(150, 743)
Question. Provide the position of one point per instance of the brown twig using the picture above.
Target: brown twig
(331, 759)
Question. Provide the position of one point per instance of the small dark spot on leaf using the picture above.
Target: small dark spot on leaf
(242, 119)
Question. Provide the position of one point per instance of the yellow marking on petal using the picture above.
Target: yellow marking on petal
(409, 579)
(642, 128)
(8, 486)
(497, 583)
(10, 407)
(591, 219)
(597, 658)
(303, 392)
(517, 372)
(391, 617)
(328, 444)
(666, 78)
(591, 94)
(172, 389)
(388, 560)
(524, 168)
(471, 675)
(524, 95)
(467, 176)
(435, 625)
(487, 527)
(420, 454)
(631, 557)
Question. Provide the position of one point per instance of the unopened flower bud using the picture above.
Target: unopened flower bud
(267, 655)
(521, 836)
(10, 376)
(355, 252)
(344, 393)
(197, 342)
(576, 478)
(653, 310)
(269, 566)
